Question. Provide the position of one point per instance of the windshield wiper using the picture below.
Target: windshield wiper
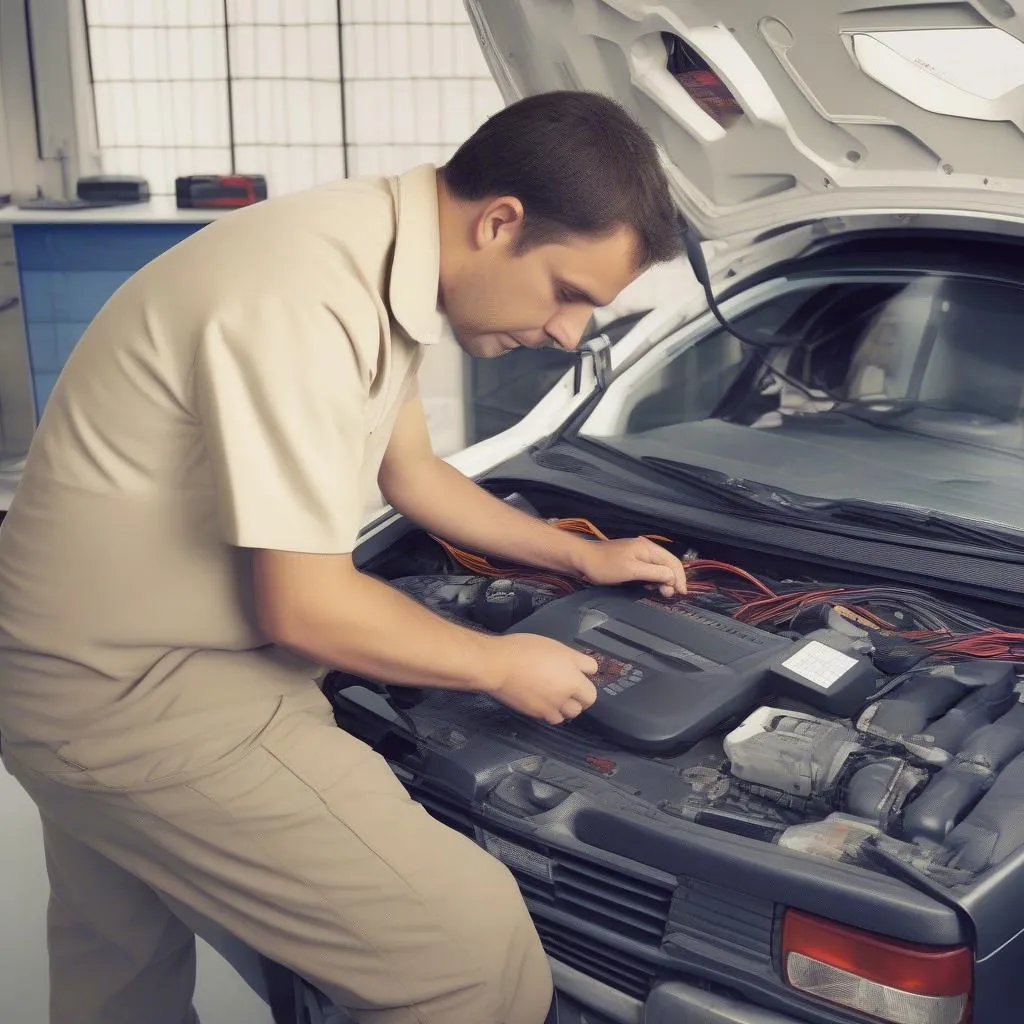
(734, 492)
(921, 522)
(764, 502)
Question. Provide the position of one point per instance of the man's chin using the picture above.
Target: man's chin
(487, 346)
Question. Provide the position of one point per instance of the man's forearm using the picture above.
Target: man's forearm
(363, 626)
(444, 502)
(323, 607)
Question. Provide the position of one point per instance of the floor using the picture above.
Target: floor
(221, 996)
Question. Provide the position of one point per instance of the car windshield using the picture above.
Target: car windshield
(888, 388)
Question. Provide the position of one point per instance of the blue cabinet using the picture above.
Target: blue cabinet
(68, 271)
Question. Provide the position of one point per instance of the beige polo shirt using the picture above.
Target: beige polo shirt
(236, 393)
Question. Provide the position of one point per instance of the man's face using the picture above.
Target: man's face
(503, 298)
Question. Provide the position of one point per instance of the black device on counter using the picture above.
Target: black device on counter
(219, 191)
(102, 189)
(97, 190)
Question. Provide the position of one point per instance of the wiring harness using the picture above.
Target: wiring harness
(899, 614)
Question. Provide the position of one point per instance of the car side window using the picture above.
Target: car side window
(688, 387)
(691, 385)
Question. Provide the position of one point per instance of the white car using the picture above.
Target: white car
(800, 794)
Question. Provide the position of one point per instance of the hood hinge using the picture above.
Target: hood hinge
(600, 350)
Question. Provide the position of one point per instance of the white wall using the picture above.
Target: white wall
(22, 170)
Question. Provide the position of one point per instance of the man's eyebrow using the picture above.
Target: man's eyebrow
(581, 293)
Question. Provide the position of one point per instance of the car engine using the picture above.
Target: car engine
(870, 725)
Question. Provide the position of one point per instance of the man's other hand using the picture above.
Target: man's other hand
(541, 678)
(631, 560)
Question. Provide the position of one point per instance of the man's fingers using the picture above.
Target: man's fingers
(667, 580)
(671, 568)
(571, 708)
(645, 571)
(587, 665)
(586, 695)
(679, 580)
(680, 576)
(575, 706)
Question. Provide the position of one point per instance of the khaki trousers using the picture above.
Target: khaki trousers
(303, 845)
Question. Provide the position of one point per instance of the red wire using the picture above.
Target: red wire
(762, 604)
(699, 564)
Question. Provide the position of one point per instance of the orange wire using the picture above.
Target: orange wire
(481, 566)
(992, 643)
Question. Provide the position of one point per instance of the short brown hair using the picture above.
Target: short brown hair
(579, 164)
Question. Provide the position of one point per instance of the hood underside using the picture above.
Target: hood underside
(785, 110)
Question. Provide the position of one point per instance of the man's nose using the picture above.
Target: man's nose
(567, 327)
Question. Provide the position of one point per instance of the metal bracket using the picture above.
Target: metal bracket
(600, 350)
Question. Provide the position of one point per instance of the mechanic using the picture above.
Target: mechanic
(176, 574)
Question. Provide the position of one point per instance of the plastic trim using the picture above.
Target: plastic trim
(597, 996)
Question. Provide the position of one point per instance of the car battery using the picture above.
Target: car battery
(219, 191)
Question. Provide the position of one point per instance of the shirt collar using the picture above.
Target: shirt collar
(416, 264)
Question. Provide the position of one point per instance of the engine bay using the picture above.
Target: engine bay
(877, 726)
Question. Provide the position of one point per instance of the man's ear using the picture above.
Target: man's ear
(500, 220)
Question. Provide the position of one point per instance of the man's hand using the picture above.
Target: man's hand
(542, 678)
(443, 502)
(631, 560)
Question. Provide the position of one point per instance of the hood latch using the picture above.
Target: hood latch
(600, 350)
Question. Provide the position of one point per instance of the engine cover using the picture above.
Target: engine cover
(669, 674)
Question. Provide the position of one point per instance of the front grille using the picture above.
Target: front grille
(729, 919)
(596, 959)
(633, 907)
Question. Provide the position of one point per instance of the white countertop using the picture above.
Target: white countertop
(159, 210)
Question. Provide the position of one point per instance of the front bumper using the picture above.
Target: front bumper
(673, 1002)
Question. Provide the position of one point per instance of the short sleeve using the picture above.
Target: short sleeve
(282, 398)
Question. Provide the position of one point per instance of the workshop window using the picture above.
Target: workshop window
(303, 91)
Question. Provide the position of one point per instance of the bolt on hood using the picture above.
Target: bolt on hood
(775, 112)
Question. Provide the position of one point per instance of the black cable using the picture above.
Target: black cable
(759, 346)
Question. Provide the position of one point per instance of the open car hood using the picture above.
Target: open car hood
(780, 111)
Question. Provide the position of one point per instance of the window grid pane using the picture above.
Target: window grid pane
(161, 88)
(286, 91)
(282, 88)
(416, 83)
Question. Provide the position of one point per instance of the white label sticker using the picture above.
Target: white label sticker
(820, 664)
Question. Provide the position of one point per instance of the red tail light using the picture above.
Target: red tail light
(883, 978)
